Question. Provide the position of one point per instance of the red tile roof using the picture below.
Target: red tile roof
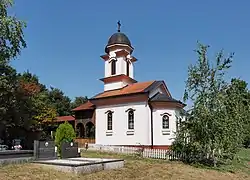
(130, 89)
(85, 106)
(64, 118)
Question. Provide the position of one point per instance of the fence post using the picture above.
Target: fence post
(35, 151)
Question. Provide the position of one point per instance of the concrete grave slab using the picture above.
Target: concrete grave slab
(82, 165)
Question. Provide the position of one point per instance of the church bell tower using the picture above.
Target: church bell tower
(119, 68)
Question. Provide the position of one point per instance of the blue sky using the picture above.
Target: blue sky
(66, 38)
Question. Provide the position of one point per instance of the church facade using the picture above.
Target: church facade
(127, 112)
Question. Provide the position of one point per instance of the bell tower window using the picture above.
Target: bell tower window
(127, 68)
(113, 67)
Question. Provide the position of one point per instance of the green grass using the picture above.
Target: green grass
(135, 168)
(240, 163)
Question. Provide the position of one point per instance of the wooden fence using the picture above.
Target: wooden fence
(145, 153)
(81, 141)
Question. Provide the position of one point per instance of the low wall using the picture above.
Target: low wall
(16, 160)
(16, 154)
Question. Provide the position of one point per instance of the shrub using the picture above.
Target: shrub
(64, 133)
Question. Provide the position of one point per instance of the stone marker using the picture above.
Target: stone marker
(44, 150)
(69, 150)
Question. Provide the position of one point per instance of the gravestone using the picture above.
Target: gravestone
(44, 150)
(69, 150)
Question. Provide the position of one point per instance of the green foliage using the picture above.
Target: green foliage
(11, 43)
(8, 86)
(60, 102)
(11, 33)
(25, 102)
(212, 132)
(239, 163)
(64, 133)
(79, 101)
(238, 105)
(46, 114)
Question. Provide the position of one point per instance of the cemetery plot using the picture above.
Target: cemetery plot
(82, 165)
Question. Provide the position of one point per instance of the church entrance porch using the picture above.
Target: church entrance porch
(85, 132)
(90, 130)
(80, 130)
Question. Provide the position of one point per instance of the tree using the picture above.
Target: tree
(60, 102)
(11, 33)
(64, 133)
(211, 132)
(11, 43)
(8, 86)
(79, 101)
(33, 101)
(239, 101)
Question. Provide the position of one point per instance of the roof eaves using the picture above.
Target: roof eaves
(151, 86)
(119, 95)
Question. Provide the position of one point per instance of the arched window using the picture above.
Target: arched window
(127, 68)
(131, 119)
(113, 67)
(109, 120)
(165, 122)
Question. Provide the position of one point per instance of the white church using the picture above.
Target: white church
(127, 112)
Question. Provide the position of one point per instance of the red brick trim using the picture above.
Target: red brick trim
(117, 79)
(167, 105)
(137, 97)
(105, 57)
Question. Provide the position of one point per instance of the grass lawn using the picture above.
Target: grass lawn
(134, 169)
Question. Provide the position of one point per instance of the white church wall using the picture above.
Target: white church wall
(119, 67)
(123, 66)
(119, 64)
(118, 135)
(163, 136)
(131, 69)
(107, 69)
(113, 85)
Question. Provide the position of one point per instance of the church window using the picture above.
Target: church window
(113, 67)
(109, 120)
(165, 122)
(130, 119)
(127, 68)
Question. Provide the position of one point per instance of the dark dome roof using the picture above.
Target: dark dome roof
(118, 38)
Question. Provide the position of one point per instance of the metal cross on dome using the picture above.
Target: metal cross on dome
(119, 26)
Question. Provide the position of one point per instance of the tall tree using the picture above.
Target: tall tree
(11, 33)
(60, 102)
(34, 100)
(11, 43)
(211, 132)
(238, 106)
